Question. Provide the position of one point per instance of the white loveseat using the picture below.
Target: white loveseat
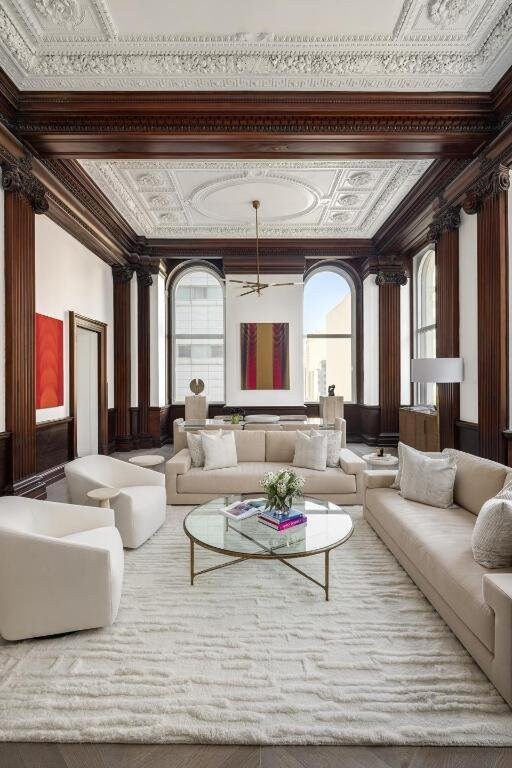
(140, 507)
(434, 547)
(259, 452)
(61, 568)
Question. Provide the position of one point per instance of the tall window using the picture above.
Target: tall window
(198, 334)
(329, 335)
(425, 318)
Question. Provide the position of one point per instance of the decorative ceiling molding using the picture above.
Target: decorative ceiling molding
(206, 199)
(440, 45)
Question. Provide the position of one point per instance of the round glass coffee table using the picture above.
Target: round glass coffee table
(328, 526)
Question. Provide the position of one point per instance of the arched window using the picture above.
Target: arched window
(425, 317)
(198, 334)
(329, 335)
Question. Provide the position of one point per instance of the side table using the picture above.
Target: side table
(149, 460)
(103, 495)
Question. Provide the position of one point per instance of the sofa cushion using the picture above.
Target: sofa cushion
(438, 542)
(429, 481)
(477, 480)
(246, 476)
(280, 446)
(250, 446)
(219, 451)
(310, 451)
(492, 534)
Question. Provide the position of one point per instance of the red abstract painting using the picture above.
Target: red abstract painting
(49, 365)
(265, 363)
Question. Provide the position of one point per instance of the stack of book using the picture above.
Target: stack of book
(282, 522)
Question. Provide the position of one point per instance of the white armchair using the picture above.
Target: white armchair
(61, 568)
(140, 507)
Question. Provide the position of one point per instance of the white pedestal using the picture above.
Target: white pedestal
(195, 407)
(331, 408)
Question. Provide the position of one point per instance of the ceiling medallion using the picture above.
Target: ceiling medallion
(342, 216)
(160, 201)
(359, 179)
(447, 12)
(65, 13)
(150, 180)
(348, 200)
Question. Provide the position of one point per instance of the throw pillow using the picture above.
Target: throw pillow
(195, 446)
(310, 451)
(219, 450)
(430, 454)
(333, 445)
(429, 481)
(491, 541)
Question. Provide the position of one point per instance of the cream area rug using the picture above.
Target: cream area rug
(253, 654)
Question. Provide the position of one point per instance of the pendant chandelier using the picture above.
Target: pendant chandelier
(257, 287)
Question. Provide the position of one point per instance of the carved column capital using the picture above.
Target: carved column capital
(445, 221)
(494, 180)
(144, 277)
(395, 277)
(122, 273)
(17, 178)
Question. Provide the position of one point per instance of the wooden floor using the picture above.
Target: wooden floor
(177, 756)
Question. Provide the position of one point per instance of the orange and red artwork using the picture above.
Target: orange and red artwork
(265, 363)
(49, 367)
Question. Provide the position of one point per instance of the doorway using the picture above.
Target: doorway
(87, 400)
(88, 385)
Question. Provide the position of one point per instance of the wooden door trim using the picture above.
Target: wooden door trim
(79, 321)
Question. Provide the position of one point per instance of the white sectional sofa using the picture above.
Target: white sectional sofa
(259, 452)
(434, 547)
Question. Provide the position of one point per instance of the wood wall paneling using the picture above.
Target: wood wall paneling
(122, 357)
(445, 232)
(488, 198)
(24, 197)
(53, 447)
(467, 438)
(389, 354)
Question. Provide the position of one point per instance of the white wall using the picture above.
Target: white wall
(405, 344)
(370, 341)
(468, 322)
(157, 330)
(2, 314)
(275, 305)
(70, 277)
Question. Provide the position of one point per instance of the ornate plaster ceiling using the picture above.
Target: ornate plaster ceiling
(434, 45)
(212, 198)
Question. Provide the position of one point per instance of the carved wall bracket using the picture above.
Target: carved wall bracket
(17, 178)
(447, 220)
(495, 179)
(144, 277)
(397, 277)
(122, 274)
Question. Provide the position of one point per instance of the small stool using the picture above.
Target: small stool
(103, 495)
(149, 460)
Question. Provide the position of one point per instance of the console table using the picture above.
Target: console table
(419, 429)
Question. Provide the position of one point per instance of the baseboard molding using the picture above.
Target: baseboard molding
(387, 438)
